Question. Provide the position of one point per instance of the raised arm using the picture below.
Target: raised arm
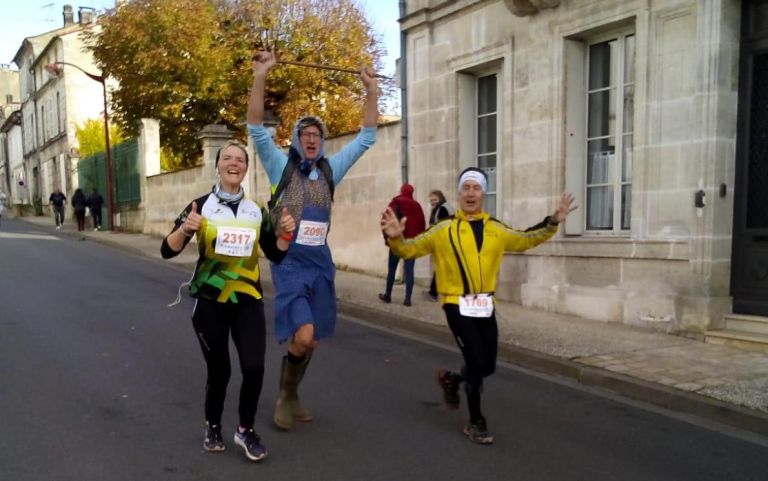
(371, 110)
(261, 65)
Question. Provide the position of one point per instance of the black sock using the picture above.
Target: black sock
(473, 402)
(294, 359)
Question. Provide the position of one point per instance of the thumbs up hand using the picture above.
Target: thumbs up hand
(192, 222)
(286, 225)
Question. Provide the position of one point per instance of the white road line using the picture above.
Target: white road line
(12, 235)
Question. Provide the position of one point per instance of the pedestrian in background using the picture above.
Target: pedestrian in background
(466, 280)
(95, 203)
(3, 201)
(404, 206)
(78, 205)
(57, 200)
(440, 210)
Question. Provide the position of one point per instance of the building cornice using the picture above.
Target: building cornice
(13, 120)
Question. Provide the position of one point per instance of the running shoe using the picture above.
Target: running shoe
(447, 381)
(213, 440)
(385, 298)
(251, 444)
(477, 432)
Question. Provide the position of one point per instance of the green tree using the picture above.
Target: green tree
(91, 140)
(187, 63)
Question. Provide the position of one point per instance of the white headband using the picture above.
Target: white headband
(476, 176)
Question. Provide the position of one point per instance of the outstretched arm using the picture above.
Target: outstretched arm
(564, 208)
(261, 65)
(393, 229)
(518, 241)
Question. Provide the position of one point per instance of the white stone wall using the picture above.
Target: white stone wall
(671, 270)
(366, 190)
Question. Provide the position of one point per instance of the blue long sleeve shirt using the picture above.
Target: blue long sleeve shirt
(274, 160)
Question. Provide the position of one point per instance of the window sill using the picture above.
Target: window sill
(615, 247)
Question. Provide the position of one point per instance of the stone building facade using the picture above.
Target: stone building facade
(631, 105)
(52, 106)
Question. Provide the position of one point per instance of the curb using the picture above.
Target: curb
(623, 385)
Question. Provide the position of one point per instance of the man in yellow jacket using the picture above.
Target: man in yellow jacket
(467, 249)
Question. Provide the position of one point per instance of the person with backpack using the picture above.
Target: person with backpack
(404, 205)
(303, 181)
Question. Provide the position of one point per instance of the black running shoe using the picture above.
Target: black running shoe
(213, 440)
(447, 381)
(251, 444)
(477, 432)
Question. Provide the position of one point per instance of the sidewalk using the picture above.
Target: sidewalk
(716, 382)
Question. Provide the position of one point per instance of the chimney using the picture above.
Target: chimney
(86, 15)
(69, 15)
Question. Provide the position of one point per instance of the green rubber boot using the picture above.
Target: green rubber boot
(288, 408)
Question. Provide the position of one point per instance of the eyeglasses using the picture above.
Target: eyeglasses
(310, 135)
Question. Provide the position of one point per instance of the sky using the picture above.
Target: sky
(27, 18)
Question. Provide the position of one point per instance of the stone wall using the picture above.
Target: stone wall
(355, 236)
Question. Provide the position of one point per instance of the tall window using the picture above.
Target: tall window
(58, 112)
(610, 93)
(44, 123)
(486, 116)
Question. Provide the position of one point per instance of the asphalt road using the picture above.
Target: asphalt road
(99, 380)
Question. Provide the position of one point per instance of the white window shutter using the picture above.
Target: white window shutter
(575, 131)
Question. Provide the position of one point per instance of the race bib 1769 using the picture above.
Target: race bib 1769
(476, 305)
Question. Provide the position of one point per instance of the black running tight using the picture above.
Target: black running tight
(478, 340)
(213, 322)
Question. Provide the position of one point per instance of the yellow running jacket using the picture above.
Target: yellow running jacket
(460, 269)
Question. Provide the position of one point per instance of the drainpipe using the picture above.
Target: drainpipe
(403, 100)
(36, 151)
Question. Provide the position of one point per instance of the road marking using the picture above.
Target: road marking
(12, 235)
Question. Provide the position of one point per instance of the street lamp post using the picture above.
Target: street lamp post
(56, 70)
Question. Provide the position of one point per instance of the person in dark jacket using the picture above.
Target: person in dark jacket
(440, 210)
(95, 203)
(78, 204)
(57, 200)
(404, 206)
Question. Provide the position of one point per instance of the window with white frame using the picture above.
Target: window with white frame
(486, 133)
(610, 108)
(599, 131)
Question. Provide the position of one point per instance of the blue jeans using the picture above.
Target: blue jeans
(392, 267)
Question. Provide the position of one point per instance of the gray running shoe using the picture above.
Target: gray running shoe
(477, 432)
(213, 440)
